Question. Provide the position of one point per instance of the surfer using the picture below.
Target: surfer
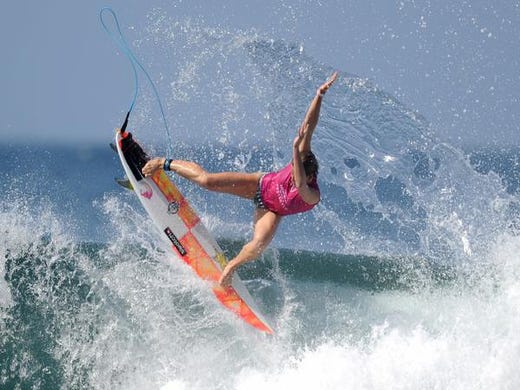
(292, 190)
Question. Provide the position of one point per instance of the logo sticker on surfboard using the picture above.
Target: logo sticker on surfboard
(175, 241)
(173, 207)
(146, 190)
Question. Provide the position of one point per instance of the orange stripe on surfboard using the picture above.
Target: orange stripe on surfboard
(233, 302)
(204, 266)
(199, 260)
(172, 194)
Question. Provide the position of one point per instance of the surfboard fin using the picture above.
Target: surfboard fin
(125, 183)
(113, 147)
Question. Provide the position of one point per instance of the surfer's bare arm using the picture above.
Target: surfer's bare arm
(308, 194)
(313, 113)
(153, 165)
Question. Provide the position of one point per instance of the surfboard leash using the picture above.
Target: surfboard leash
(120, 41)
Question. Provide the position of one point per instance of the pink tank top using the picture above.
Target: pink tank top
(281, 196)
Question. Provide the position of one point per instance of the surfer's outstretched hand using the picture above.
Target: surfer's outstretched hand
(153, 165)
(327, 84)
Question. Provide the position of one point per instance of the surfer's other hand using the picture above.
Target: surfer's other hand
(153, 165)
(226, 277)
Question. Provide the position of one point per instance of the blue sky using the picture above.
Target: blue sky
(455, 62)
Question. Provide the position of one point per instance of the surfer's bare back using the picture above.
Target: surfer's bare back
(294, 189)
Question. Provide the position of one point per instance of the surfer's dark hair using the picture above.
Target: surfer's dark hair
(310, 165)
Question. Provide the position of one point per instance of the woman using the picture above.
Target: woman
(294, 189)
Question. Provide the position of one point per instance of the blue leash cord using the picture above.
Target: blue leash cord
(120, 42)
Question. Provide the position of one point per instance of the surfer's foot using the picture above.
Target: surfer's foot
(226, 277)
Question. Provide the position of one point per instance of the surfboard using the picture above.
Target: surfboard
(183, 231)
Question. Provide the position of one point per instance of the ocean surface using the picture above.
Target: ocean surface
(406, 276)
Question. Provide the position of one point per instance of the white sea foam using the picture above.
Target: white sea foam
(24, 221)
(456, 337)
(148, 322)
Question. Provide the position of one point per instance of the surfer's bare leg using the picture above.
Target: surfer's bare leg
(236, 183)
(313, 113)
(266, 223)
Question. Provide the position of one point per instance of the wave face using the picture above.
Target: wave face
(405, 277)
